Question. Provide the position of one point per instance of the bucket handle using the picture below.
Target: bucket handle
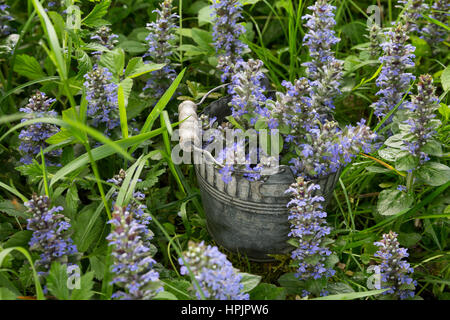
(190, 139)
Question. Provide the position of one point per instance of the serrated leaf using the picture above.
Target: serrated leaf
(28, 66)
(93, 19)
(98, 266)
(114, 61)
(57, 281)
(434, 173)
(18, 239)
(86, 284)
(393, 201)
(178, 287)
(14, 209)
(84, 62)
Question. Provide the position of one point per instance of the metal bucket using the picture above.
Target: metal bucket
(248, 217)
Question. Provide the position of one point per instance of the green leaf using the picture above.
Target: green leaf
(57, 281)
(267, 291)
(249, 281)
(261, 124)
(205, 15)
(377, 169)
(422, 47)
(14, 209)
(84, 62)
(19, 239)
(203, 38)
(133, 47)
(433, 148)
(86, 284)
(352, 295)
(445, 78)
(159, 107)
(122, 102)
(434, 173)
(53, 40)
(28, 66)
(164, 295)
(178, 287)
(4, 253)
(393, 201)
(114, 61)
(60, 136)
(389, 154)
(13, 191)
(88, 226)
(339, 288)
(6, 294)
(407, 162)
(98, 266)
(443, 109)
(93, 19)
(102, 152)
(136, 67)
(395, 141)
(408, 239)
(291, 283)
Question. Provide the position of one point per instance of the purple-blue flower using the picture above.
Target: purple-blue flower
(309, 227)
(393, 269)
(33, 136)
(105, 38)
(420, 123)
(432, 32)
(413, 10)
(101, 94)
(226, 33)
(324, 70)
(329, 148)
(393, 81)
(133, 264)
(51, 235)
(5, 18)
(215, 275)
(247, 92)
(134, 204)
(160, 48)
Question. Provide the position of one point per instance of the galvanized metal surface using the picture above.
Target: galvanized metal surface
(250, 218)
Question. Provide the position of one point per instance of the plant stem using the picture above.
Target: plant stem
(99, 181)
